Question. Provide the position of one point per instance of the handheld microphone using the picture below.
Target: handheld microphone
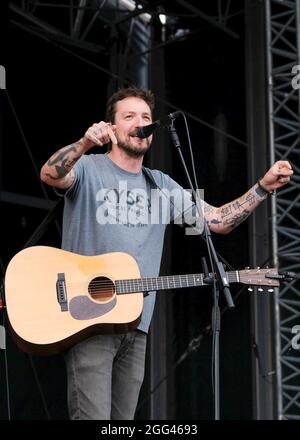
(147, 130)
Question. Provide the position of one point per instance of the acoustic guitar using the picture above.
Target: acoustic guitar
(56, 298)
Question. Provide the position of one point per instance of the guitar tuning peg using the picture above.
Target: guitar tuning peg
(260, 289)
(258, 268)
(270, 290)
(250, 289)
(267, 267)
(247, 268)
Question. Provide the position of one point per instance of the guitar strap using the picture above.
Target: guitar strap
(150, 177)
(154, 185)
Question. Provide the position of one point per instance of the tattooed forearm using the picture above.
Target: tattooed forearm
(215, 221)
(59, 170)
(63, 169)
(226, 211)
(62, 162)
(234, 213)
(58, 157)
(236, 219)
(227, 217)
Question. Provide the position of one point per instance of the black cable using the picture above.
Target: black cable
(127, 46)
(264, 375)
(193, 345)
(26, 144)
(42, 185)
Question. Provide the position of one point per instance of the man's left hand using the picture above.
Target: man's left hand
(277, 176)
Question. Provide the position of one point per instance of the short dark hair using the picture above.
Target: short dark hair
(132, 91)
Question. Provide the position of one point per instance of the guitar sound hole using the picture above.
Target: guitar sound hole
(101, 289)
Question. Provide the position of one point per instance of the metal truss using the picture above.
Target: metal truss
(76, 22)
(283, 48)
(118, 30)
(223, 14)
(84, 25)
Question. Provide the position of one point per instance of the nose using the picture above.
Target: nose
(139, 121)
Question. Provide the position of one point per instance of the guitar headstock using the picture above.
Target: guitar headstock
(260, 277)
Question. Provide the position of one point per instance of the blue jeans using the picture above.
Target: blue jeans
(105, 374)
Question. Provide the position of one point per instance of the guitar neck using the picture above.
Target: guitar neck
(167, 282)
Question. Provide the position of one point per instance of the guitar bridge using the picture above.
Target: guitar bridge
(61, 292)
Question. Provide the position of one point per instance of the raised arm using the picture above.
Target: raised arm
(58, 170)
(225, 218)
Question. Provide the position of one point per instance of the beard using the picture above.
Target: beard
(134, 151)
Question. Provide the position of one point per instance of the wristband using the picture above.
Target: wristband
(262, 191)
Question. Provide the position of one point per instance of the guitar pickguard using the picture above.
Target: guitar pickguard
(81, 307)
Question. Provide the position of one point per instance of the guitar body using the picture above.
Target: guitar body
(56, 298)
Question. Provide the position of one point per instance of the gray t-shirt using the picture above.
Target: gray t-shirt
(108, 209)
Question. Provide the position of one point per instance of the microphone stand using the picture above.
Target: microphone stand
(218, 273)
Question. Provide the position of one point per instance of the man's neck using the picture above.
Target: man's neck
(124, 161)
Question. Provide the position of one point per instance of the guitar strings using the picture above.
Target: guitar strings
(139, 281)
(143, 281)
(148, 280)
(170, 278)
(172, 281)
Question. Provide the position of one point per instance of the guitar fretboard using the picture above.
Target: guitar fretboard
(166, 282)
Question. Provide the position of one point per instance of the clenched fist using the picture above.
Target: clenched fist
(277, 176)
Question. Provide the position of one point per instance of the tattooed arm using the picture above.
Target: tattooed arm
(58, 170)
(225, 218)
